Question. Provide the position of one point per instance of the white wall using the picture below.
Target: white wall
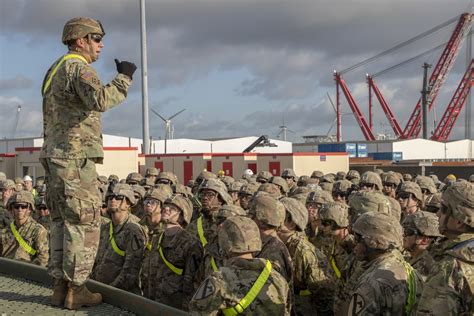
(9, 145)
(420, 149)
(180, 146)
(121, 141)
(461, 149)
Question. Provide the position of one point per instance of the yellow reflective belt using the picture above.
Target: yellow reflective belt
(304, 293)
(411, 288)
(21, 241)
(252, 293)
(55, 69)
(178, 271)
(333, 263)
(117, 250)
(148, 246)
(203, 240)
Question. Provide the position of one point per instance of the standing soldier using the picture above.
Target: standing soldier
(313, 285)
(43, 216)
(410, 198)
(7, 188)
(73, 99)
(246, 194)
(314, 202)
(245, 284)
(420, 230)
(389, 285)
(449, 289)
(428, 188)
(291, 179)
(24, 239)
(341, 190)
(175, 256)
(122, 242)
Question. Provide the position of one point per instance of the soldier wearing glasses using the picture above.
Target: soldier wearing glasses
(24, 239)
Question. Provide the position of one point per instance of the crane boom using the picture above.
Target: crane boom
(445, 126)
(439, 74)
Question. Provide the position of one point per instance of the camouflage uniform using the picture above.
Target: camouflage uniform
(73, 100)
(114, 269)
(449, 289)
(5, 215)
(35, 236)
(226, 288)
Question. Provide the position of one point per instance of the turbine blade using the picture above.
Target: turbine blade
(332, 103)
(176, 114)
(158, 114)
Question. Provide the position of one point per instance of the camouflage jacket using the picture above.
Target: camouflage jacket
(226, 288)
(275, 250)
(311, 273)
(449, 289)
(183, 251)
(114, 269)
(35, 235)
(383, 289)
(147, 284)
(5, 217)
(423, 263)
(210, 255)
(72, 108)
(45, 221)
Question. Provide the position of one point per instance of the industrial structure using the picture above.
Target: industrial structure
(431, 90)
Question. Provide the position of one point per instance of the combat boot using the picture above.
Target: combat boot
(59, 292)
(78, 296)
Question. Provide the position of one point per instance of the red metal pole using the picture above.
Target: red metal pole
(338, 114)
(370, 105)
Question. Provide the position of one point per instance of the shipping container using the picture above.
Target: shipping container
(362, 151)
(394, 156)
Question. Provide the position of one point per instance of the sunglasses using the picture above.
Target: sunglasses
(17, 206)
(339, 194)
(150, 201)
(164, 181)
(42, 208)
(208, 194)
(404, 196)
(328, 223)
(117, 197)
(407, 232)
(367, 185)
(358, 238)
(389, 185)
(96, 38)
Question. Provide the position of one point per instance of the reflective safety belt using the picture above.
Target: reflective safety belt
(203, 240)
(21, 241)
(148, 246)
(411, 288)
(117, 250)
(252, 293)
(176, 270)
(333, 262)
(55, 69)
(304, 293)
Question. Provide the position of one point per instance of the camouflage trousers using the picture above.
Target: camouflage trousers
(74, 203)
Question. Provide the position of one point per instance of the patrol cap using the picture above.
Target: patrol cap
(267, 210)
(239, 234)
(459, 198)
(125, 190)
(280, 182)
(183, 205)
(379, 231)
(80, 27)
(264, 176)
(297, 211)
(317, 174)
(21, 197)
(426, 183)
(320, 196)
(157, 194)
(336, 212)
(413, 188)
(423, 223)
(151, 172)
(288, 173)
(371, 178)
(230, 210)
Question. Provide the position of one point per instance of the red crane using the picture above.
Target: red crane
(445, 126)
(439, 74)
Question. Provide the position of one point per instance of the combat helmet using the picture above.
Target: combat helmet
(289, 173)
(169, 176)
(271, 189)
(413, 188)
(353, 174)
(239, 234)
(407, 177)
(471, 178)
(297, 211)
(459, 198)
(138, 191)
(422, 223)
(204, 175)
(267, 210)
(336, 212)
(391, 178)
(379, 231)
(183, 205)
(133, 178)
(263, 176)
(41, 201)
(229, 210)
(303, 180)
(3, 176)
(151, 172)
(236, 186)
(320, 196)
(80, 27)
(371, 178)
(157, 194)
(317, 174)
(249, 188)
(7, 184)
(368, 201)
(342, 187)
(433, 203)
(426, 183)
(217, 186)
(340, 175)
(227, 180)
(21, 197)
(280, 182)
(122, 189)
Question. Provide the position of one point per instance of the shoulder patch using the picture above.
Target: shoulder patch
(88, 75)
(206, 289)
(357, 304)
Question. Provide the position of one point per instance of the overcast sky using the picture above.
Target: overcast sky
(239, 67)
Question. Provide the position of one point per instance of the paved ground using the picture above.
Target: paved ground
(23, 297)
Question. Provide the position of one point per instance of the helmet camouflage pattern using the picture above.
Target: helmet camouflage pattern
(167, 176)
(134, 177)
(426, 183)
(297, 211)
(368, 201)
(264, 176)
(268, 210)
(249, 188)
(217, 186)
(370, 177)
(279, 181)
(379, 230)
(158, 194)
(392, 178)
(272, 189)
(125, 190)
(352, 174)
(80, 27)
(342, 186)
(413, 188)
(230, 210)
(183, 205)
(319, 196)
(459, 198)
(289, 173)
(340, 175)
(138, 190)
(317, 174)
(22, 197)
(239, 234)
(425, 223)
(336, 212)
(236, 185)
(151, 172)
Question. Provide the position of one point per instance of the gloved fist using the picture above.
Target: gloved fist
(125, 67)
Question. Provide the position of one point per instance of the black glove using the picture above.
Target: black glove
(125, 67)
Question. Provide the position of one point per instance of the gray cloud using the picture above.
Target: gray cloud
(16, 83)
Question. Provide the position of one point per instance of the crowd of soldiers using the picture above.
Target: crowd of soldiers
(380, 243)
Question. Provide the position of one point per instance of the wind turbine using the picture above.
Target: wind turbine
(168, 127)
(283, 130)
